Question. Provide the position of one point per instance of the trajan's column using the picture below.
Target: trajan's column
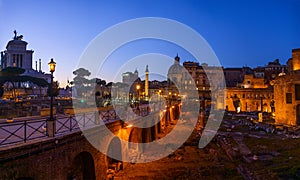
(147, 84)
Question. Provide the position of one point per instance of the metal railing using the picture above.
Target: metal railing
(22, 131)
(29, 129)
(26, 130)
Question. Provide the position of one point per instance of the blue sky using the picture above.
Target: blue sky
(240, 32)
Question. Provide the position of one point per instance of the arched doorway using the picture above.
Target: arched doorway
(114, 154)
(139, 136)
(83, 167)
(135, 136)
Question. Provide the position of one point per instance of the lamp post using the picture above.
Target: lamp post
(138, 91)
(159, 93)
(170, 98)
(51, 120)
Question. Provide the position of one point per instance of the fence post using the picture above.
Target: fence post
(97, 118)
(25, 134)
(70, 118)
(83, 119)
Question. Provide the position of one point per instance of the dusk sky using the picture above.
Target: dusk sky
(241, 33)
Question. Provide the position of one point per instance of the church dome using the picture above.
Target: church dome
(176, 68)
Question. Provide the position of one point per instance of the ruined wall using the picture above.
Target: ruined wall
(51, 159)
(285, 99)
(253, 82)
(250, 99)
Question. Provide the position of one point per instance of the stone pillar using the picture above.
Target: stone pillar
(40, 65)
(176, 112)
(51, 127)
(167, 117)
(159, 124)
(147, 84)
(148, 137)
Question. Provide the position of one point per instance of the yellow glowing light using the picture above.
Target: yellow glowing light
(52, 65)
(238, 109)
(138, 86)
(129, 126)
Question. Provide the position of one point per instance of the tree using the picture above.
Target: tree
(10, 75)
(109, 84)
(98, 84)
(80, 80)
(101, 82)
(107, 94)
(13, 75)
(81, 72)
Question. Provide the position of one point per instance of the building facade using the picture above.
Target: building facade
(270, 71)
(287, 99)
(17, 55)
(252, 94)
(235, 76)
(249, 99)
(287, 92)
(129, 78)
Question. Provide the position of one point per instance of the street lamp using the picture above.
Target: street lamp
(50, 122)
(159, 93)
(138, 90)
(138, 87)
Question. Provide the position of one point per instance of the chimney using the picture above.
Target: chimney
(40, 65)
(36, 65)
